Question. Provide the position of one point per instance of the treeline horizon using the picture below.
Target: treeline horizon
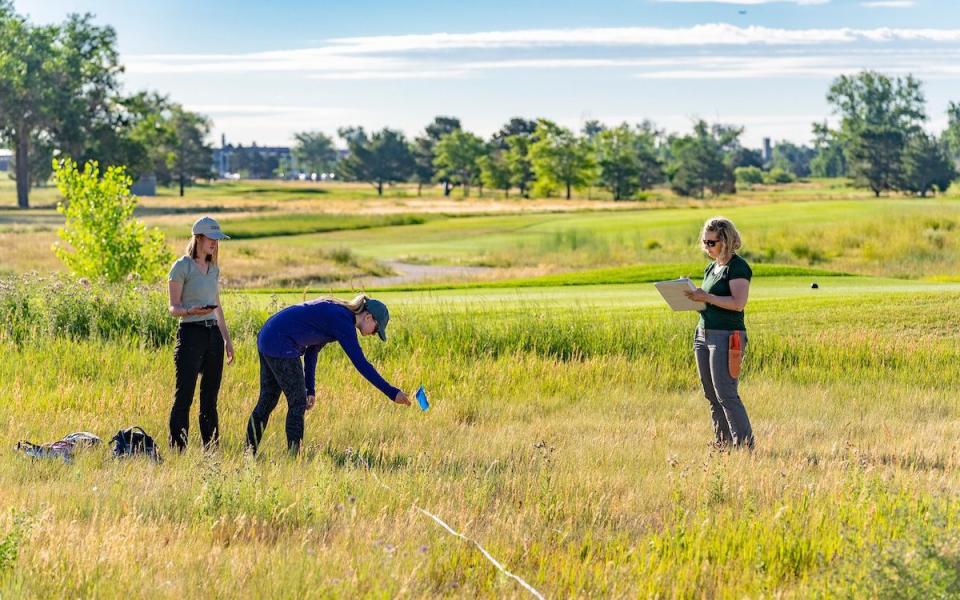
(60, 97)
(880, 144)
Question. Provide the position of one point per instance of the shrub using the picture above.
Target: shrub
(776, 176)
(105, 241)
(748, 175)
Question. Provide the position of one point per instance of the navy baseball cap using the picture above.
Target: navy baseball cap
(381, 315)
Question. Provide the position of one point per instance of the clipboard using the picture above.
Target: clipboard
(673, 292)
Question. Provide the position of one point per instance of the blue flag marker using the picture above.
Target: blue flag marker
(422, 399)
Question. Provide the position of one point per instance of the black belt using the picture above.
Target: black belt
(208, 323)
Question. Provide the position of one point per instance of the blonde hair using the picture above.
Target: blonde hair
(195, 243)
(357, 306)
(727, 232)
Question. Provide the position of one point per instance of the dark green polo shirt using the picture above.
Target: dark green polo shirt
(716, 281)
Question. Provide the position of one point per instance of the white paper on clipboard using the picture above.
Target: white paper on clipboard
(673, 292)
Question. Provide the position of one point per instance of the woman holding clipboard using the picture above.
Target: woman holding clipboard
(721, 333)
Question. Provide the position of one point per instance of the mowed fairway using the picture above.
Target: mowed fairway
(903, 238)
(567, 434)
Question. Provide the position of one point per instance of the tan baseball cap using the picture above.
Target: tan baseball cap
(210, 228)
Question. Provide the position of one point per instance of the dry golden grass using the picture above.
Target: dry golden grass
(570, 442)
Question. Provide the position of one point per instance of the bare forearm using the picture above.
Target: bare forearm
(727, 302)
(222, 324)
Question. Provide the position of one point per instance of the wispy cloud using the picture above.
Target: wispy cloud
(314, 59)
(748, 2)
(454, 73)
(934, 63)
(889, 4)
(713, 34)
(664, 53)
(395, 53)
(931, 64)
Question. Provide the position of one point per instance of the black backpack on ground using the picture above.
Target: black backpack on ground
(134, 441)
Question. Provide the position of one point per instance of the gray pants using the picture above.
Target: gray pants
(730, 422)
(279, 375)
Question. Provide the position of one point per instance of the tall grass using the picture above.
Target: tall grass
(792, 341)
(569, 439)
(35, 307)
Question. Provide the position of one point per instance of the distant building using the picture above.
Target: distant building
(5, 159)
(255, 162)
(221, 158)
(767, 150)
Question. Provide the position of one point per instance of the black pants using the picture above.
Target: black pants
(199, 351)
(279, 375)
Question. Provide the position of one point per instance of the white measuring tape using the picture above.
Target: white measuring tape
(452, 531)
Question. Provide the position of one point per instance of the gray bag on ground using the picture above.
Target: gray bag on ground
(63, 449)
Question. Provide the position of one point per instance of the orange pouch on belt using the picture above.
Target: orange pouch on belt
(735, 354)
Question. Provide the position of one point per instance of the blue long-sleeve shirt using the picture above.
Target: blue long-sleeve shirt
(303, 329)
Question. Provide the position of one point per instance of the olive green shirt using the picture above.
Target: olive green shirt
(716, 281)
(199, 289)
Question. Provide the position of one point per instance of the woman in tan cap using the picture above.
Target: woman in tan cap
(202, 337)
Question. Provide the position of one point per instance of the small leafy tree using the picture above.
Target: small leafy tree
(951, 135)
(456, 158)
(164, 139)
(875, 158)
(698, 161)
(627, 158)
(792, 158)
(618, 160)
(926, 166)
(878, 116)
(382, 157)
(104, 239)
(560, 159)
(829, 160)
(495, 170)
(518, 161)
(315, 152)
(423, 150)
(192, 156)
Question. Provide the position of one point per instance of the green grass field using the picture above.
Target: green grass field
(568, 434)
(288, 238)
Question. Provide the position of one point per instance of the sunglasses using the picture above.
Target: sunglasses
(710, 243)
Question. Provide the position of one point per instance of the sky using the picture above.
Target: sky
(265, 70)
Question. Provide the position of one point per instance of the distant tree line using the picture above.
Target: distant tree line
(880, 143)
